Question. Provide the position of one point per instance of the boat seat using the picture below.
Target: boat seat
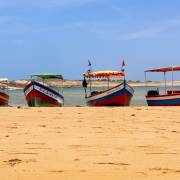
(173, 92)
(153, 93)
(94, 93)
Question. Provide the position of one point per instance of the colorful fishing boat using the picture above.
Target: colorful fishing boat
(170, 97)
(4, 97)
(119, 95)
(38, 94)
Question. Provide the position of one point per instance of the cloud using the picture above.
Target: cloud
(153, 31)
(114, 30)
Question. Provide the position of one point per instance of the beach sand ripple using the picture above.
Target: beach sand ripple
(127, 143)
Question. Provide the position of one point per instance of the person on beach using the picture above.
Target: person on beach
(85, 83)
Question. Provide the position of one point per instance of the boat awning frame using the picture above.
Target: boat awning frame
(105, 74)
(164, 69)
(48, 76)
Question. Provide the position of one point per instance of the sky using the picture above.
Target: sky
(61, 35)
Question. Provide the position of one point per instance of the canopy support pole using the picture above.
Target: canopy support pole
(124, 80)
(145, 76)
(62, 85)
(108, 82)
(165, 81)
(90, 82)
(89, 71)
(7, 86)
(172, 80)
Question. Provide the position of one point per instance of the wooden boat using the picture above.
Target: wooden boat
(120, 95)
(40, 95)
(4, 97)
(171, 97)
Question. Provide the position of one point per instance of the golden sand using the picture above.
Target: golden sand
(85, 143)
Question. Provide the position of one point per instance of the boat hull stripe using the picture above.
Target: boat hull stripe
(43, 87)
(169, 102)
(116, 96)
(42, 93)
(37, 96)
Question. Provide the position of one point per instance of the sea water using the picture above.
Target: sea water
(75, 96)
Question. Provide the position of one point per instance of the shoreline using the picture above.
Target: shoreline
(20, 84)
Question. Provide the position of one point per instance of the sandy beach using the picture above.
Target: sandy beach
(131, 143)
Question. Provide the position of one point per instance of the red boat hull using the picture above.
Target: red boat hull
(38, 95)
(118, 96)
(36, 99)
(4, 99)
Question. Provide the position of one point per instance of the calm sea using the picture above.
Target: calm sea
(75, 96)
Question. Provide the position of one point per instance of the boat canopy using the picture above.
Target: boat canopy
(48, 76)
(165, 69)
(105, 74)
(3, 80)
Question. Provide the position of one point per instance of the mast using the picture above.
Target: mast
(123, 70)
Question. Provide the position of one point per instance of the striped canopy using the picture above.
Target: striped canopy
(105, 74)
(165, 69)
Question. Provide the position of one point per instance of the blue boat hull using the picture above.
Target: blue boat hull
(165, 100)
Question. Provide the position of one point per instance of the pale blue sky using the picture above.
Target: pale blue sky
(61, 35)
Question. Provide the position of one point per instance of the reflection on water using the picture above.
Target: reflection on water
(75, 96)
